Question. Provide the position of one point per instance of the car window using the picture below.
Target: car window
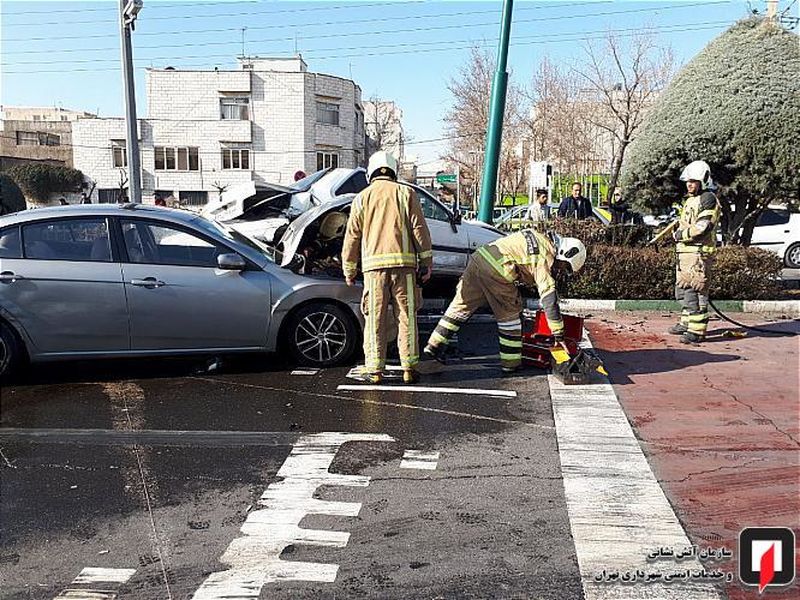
(431, 208)
(160, 244)
(354, 184)
(773, 217)
(9, 243)
(68, 239)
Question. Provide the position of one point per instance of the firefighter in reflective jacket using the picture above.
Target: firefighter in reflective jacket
(492, 277)
(696, 243)
(387, 233)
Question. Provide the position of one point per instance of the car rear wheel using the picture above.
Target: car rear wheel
(10, 352)
(792, 258)
(322, 335)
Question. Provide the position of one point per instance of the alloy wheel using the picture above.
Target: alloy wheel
(320, 337)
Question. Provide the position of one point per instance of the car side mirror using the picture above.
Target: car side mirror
(231, 262)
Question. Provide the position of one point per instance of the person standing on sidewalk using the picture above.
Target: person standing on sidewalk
(387, 233)
(696, 243)
(575, 206)
(492, 277)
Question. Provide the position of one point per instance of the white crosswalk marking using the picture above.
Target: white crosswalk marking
(254, 559)
(417, 459)
(96, 583)
(617, 509)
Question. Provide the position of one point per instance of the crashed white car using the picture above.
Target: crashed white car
(289, 219)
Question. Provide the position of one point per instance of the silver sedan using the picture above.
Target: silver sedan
(103, 281)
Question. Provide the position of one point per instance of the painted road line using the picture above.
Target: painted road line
(618, 511)
(305, 372)
(254, 558)
(422, 388)
(417, 459)
(96, 583)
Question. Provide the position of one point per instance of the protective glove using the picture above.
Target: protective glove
(677, 235)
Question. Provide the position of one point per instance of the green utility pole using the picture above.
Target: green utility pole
(497, 108)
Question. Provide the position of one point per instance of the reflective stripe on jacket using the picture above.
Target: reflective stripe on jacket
(386, 229)
(698, 224)
(527, 257)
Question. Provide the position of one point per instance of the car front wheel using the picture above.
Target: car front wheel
(792, 258)
(322, 335)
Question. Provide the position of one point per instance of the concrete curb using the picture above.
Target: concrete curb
(790, 308)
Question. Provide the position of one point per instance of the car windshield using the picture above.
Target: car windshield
(304, 184)
(231, 234)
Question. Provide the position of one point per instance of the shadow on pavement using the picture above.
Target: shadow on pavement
(145, 368)
(624, 363)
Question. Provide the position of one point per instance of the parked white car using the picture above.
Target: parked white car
(265, 213)
(778, 230)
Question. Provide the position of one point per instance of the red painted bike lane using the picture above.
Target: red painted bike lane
(719, 423)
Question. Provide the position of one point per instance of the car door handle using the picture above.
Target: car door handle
(9, 277)
(148, 282)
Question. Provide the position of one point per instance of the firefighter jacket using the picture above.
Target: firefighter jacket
(386, 229)
(698, 224)
(526, 258)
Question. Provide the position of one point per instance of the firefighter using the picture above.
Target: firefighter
(493, 275)
(696, 244)
(387, 233)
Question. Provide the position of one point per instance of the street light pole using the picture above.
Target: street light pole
(497, 108)
(128, 10)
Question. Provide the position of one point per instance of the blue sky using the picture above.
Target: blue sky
(67, 53)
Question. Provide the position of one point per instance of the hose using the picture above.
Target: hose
(751, 327)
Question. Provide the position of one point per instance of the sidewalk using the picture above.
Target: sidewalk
(719, 422)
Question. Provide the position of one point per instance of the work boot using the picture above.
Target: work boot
(510, 370)
(691, 338)
(678, 329)
(432, 361)
(410, 376)
(369, 377)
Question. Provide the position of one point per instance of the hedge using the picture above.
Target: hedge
(614, 272)
(11, 197)
(39, 181)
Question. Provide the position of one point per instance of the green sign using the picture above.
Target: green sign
(446, 178)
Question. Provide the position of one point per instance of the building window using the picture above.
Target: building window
(193, 198)
(119, 154)
(327, 113)
(112, 196)
(37, 138)
(64, 117)
(234, 108)
(236, 158)
(327, 159)
(37, 117)
(177, 159)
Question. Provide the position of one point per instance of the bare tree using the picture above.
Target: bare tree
(468, 118)
(383, 126)
(623, 77)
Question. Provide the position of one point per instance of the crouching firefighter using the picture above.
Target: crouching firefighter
(696, 243)
(493, 275)
(388, 234)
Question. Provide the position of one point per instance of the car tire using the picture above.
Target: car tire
(792, 257)
(339, 331)
(10, 352)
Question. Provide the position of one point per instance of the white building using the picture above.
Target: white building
(42, 114)
(208, 130)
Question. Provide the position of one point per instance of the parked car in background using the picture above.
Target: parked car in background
(778, 230)
(334, 190)
(103, 281)
(517, 217)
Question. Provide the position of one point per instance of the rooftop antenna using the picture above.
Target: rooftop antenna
(243, 30)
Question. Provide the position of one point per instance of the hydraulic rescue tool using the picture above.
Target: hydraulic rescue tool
(573, 365)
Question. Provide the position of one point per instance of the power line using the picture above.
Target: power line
(323, 36)
(412, 47)
(320, 24)
(114, 8)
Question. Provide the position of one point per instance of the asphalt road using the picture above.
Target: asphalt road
(242, 483)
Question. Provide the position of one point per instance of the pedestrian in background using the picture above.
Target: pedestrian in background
(621, 213)
(388, 235)
(575, 206)
(538, 210)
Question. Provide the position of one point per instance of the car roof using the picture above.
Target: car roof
(97, 210)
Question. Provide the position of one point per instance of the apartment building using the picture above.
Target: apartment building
(207, 130)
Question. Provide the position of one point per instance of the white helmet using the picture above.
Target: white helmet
(380, 162)
(697, 171)
(572, 251)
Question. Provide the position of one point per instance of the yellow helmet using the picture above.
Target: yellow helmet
(333, 226)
